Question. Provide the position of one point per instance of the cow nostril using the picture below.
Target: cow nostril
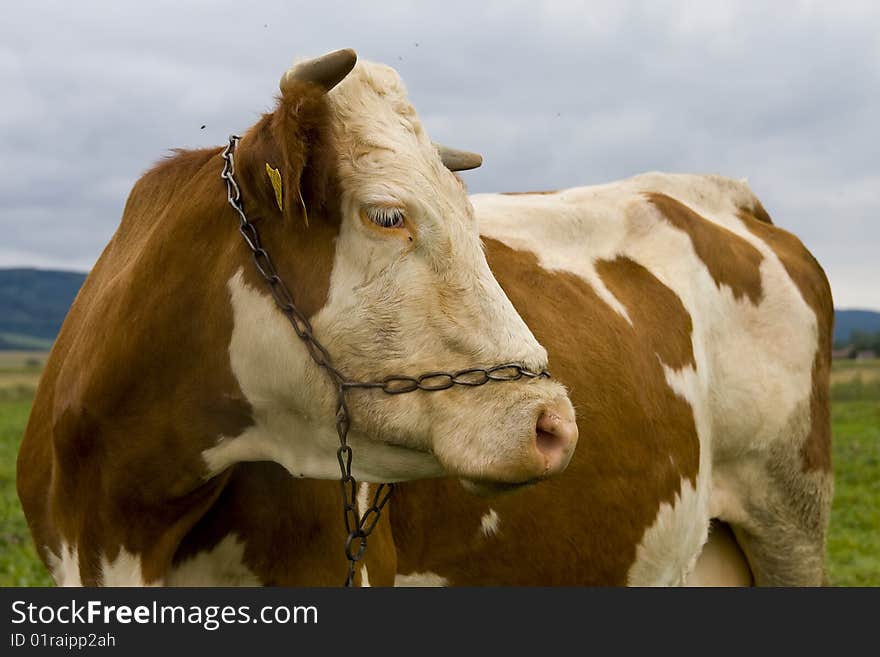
(547, 442)
(555, 438)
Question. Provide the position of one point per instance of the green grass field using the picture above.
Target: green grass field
(853, 543)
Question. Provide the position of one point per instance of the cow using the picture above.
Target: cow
(173, 365)
(694, 337)
(181, 436)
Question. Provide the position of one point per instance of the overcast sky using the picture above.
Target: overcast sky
(786, 94)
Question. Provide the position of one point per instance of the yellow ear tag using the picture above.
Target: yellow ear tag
(275, 178)
(303, 203)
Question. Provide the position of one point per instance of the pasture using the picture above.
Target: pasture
(853, 544)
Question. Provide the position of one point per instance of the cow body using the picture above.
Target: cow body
(180, 432)
(694, 338)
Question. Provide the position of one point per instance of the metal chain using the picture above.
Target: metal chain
(357, 526)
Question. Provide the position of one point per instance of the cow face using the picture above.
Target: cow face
(409, 291)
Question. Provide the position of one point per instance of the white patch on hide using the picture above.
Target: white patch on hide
(425, 579)
(125, 570)
(669, 548)
(65, 568)
(221, 565)
(363, 498)
(489, 523)
(555, 228)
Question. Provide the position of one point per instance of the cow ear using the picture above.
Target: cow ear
(287, 159)
(278, 159)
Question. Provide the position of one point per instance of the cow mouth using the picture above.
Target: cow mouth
(490, 488)
(481, 487)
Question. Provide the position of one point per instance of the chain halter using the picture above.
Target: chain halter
(358, 527)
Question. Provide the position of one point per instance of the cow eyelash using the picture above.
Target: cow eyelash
(386, 217)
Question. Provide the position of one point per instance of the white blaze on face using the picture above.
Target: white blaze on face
(434, 290)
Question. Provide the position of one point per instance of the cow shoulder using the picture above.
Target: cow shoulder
(102, 432)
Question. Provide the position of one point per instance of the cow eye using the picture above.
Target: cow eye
(386, 217)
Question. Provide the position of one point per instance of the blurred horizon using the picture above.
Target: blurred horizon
(553, 94)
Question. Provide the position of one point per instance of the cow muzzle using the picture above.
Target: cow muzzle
(513, 445)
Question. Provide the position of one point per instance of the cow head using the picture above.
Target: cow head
(378, 241)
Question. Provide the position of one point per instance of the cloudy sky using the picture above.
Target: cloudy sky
(555, 94)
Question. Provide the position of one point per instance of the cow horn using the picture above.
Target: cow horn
(456, 160)
(326, 71)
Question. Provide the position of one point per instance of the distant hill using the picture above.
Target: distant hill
(33, 304)
(847, 321)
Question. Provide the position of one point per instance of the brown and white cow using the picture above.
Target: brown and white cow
(180, 433)
(174, 365)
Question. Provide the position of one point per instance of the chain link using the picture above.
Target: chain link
(357, 526)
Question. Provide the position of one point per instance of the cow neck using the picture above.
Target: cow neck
(358, 526)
